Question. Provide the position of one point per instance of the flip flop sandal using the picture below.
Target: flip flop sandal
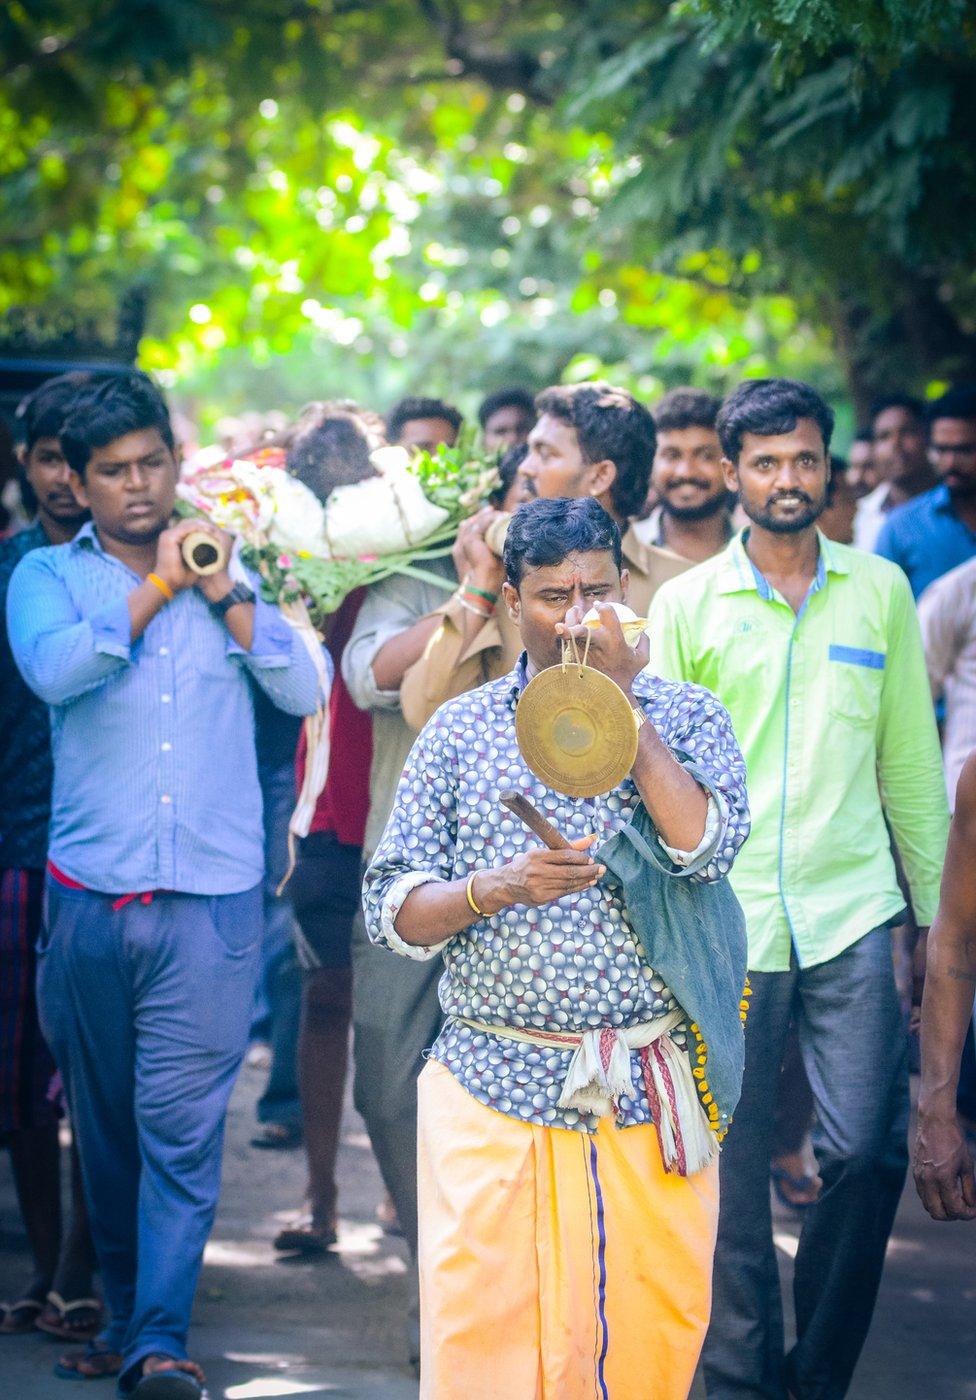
(780, 1178)
(305, 1241)
(171, 1384)
(13, 1326)
(92, 1353)
(56, 1319)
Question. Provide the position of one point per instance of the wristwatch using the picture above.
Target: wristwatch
(240, 593)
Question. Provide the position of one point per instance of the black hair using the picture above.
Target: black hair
(506, 398)
(957, 402)
(610, 425)
(768, 407)
(541, 533)
(43, 412)
(838, 469)
(112, 405)
(329, 448)
(686, 408)
(409, 409)
(508, 467)
(897, 400)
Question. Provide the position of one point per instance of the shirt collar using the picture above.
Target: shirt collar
(87, 538)
(738, 574)
(941, 499)
(518, 679)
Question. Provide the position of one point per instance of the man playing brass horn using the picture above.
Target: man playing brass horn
(586, 990)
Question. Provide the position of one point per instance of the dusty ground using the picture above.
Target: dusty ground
(267, 1329)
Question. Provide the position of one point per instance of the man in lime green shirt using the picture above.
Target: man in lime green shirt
(815, 650)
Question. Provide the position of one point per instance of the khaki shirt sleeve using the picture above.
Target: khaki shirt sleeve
(447, 668)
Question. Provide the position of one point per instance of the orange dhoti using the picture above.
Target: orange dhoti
(554, 1264)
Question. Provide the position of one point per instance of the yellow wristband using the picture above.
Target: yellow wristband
(162, 585)
(467, 890)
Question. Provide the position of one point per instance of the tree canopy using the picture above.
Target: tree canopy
(333, 196)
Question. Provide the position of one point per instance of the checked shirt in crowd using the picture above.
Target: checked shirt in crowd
(570, 965)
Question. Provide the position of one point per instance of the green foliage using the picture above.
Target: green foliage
(330, 197)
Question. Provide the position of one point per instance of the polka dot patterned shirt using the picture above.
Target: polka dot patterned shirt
(571, 965)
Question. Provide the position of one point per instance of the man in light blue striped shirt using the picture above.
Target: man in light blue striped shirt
(151, 945)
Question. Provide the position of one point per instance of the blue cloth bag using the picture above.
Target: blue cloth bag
(693, 934)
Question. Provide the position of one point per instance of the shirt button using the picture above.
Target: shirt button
(166, 799)
(165, 699)
(164, 651)
(167, 746)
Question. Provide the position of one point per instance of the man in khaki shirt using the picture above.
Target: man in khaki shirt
(589, 440)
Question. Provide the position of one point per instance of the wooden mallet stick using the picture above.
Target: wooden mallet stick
(521, 806)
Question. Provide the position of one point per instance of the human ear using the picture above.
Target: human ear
(730, 471)
(512, 601)
(77, 485)
(602, 475)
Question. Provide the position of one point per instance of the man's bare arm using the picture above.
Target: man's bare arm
(943, 1165)
(396, 656)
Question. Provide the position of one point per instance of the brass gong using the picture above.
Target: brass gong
(576, 730)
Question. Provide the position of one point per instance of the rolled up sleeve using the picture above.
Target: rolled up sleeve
(704, 743)
(281, 663)
(61, 654)
(391, 607)
(419, 843)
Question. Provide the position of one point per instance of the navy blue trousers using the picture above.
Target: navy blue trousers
(147, 1011)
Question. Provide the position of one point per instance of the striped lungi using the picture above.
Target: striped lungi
(28, 1093)
(556, 1264)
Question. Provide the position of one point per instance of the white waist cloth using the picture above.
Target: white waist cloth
(599, 1075)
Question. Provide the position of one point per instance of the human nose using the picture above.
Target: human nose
(135, 478)
(787, 476)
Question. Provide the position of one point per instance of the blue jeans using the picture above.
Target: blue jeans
(853, 1044)
(147, 1011)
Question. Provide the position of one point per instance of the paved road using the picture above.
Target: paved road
(267, 1329)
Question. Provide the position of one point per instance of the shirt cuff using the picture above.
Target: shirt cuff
(390, 907)
(272, 640)
(714, 824)
(112, 630)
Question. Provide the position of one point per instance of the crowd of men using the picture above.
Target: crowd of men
(135, 879)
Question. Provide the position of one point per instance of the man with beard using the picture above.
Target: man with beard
(937, 532)
(692, 519)
(58, 1295)
(899, 458)
(815, 650)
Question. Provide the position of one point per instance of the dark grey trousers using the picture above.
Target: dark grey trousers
(853, 1043)
(396, 1017)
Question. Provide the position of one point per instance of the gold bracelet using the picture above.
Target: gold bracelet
(468, 891)
(162, 585)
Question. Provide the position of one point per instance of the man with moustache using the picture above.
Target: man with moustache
(29, 1112)
(409, 652)
(898, 456)
(153, 892)
(815, 650)
(506, 418)
(937, 532)
(692, 519)
(589, 440)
